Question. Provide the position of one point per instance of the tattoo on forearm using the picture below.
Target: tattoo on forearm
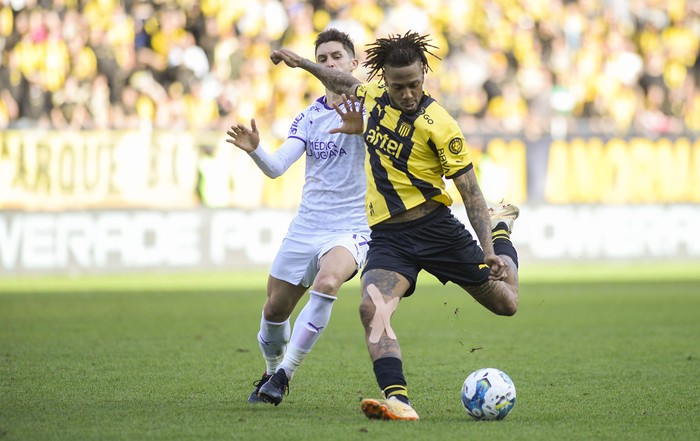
(335, 80)
(477, 211)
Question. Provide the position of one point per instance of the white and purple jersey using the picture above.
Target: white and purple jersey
(333, 197)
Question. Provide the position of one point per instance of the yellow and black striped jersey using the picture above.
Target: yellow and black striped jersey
(408, 155)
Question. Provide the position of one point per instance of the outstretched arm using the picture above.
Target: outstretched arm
(333, 79)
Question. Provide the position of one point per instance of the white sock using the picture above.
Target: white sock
(272, 339)
(309, 325)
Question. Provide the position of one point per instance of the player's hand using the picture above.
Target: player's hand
(351, 114)
(497, 266)
(244, 138)
(290, 58)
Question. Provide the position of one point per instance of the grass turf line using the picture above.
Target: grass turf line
(255, 279)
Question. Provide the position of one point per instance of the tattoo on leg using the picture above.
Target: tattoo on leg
(495, 296)
(384, 280)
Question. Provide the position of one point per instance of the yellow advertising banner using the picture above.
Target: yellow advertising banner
(58, 170)
(617, 171)
(51, 171)
(46, 170)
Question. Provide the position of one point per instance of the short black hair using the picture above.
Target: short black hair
(398, 51)
(332, 34)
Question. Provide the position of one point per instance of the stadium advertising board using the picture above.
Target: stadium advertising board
(121, 201)
(230, 239)
(133, 240)
(80, 170)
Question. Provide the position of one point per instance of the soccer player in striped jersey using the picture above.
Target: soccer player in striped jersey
(412, 142)
(327, 240)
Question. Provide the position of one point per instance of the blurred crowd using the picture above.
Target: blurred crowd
(520, 67)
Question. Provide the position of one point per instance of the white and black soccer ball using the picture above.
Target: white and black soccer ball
(488, 394)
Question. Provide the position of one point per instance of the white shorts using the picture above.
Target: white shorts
(297, 261)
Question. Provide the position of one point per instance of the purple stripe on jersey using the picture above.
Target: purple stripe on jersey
(324, 102)
(296, 137)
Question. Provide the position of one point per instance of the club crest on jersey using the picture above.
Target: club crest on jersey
(455, 146)
(404, 129)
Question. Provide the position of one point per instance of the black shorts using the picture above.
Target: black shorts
(438, 243)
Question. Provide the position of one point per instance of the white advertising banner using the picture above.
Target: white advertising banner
(140, 240)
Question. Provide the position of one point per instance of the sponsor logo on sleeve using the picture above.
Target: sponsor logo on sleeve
(295, 124)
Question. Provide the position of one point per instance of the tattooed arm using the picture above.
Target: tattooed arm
(480, 219)
(333, 79)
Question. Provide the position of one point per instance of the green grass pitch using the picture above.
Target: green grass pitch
(596, 353)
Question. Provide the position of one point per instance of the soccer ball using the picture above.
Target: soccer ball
(488, 394)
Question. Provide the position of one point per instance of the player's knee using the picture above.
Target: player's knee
(508, 307)
(274, 316)
(327, 284)
(277, 312)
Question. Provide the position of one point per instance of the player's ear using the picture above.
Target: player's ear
(355, 63)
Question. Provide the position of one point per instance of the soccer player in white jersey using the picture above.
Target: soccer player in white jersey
(327, 241)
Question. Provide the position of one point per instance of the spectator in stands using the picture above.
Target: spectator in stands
(612, 61)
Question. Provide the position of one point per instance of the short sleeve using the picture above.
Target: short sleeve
(298, 128)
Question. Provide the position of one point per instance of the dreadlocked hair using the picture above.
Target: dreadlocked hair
(398, 51)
